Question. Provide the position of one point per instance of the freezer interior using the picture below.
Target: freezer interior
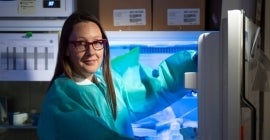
(154, 47)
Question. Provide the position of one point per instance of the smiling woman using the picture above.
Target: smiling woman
(85, 58)
(91, 97)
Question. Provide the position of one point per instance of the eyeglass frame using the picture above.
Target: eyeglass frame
(102, 42)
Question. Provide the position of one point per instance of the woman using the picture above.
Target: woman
(87, 100)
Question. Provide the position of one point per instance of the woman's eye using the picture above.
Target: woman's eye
(81, 43)
(96, 43)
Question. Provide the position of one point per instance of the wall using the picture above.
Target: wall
(248, 5)
(266, 122)
(23, 96)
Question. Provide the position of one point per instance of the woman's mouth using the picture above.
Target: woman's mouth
(90, 62)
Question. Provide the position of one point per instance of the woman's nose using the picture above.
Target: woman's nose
(90, 49)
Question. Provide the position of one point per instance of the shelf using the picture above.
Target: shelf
(24, 126)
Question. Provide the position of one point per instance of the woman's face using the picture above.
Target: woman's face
(88, 61)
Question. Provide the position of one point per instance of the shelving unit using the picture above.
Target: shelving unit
(25, 126)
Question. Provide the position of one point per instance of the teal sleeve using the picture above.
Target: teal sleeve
(147, 90)
(92, 128)
(69, 113)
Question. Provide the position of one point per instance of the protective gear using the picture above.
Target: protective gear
(75, 111)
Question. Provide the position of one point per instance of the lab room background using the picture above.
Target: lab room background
(22, 92)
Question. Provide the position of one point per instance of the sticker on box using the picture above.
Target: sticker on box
(129, 17)
(183, 16)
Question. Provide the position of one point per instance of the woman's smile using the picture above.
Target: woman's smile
(90, 61)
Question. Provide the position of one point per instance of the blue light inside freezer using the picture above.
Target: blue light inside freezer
(151, 56)
(156, 46)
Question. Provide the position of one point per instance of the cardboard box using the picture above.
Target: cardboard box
(178, 15)
(125, 15)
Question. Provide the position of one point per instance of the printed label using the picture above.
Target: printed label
(129, 17)
(183, 16)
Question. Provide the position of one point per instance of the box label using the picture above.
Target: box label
(183, 16)
(129, 17)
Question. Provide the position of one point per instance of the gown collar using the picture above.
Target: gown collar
(83, 81)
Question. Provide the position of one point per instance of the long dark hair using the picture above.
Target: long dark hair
(63, 64)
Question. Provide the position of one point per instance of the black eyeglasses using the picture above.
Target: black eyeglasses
(84, 45)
